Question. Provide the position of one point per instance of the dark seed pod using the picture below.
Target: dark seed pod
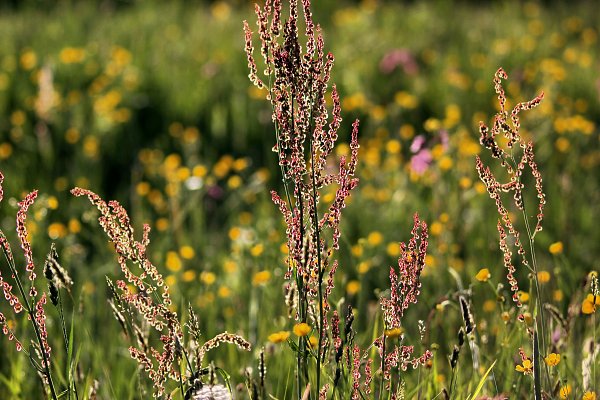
(454, 356)
(467, 315)
(53, 293)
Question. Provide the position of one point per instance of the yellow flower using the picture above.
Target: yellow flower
(199, 171)
(480, 188)
(188, 275)
(393, 146)
(364, 267)
(224, 292)
(589, 396)
(565, 391)
(556, 248)
(523, 296)
(445, 163)
(28, 60)
(71, 55)
(394, 332)
(57, 230)
(435, 228)
(142, 188)
(590, 303)
(278, 337)
(171, 280)
(52, 203)
(557, 295)
(543, 276)
(483, 275)
(5, 150)
(313, 342)
(489, 305)
(405, 100)
(562, 144)
(173, 261)
(553, 359)
(353, 287)
(302, 329)
(208, 277)
(261, 277)
(357, 250)
(162, 224)
(234, 182)
(430, 261)
(18, 118)
(526, 368)
(375, 238)
(257, 250)
(187, 252)
(229, 266)
(393, 249)
(235, 233)
(74, 226)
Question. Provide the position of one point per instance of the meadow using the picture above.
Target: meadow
(194, 230)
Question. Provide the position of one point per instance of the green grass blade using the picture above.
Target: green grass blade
(482, 381)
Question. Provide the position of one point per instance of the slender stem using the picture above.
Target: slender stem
(382, 363)
(539, 303)
(319, 265)
(595, 343)
(539, 306)
(181, 386)
(31, 313)
(66, 339)
(537, 389)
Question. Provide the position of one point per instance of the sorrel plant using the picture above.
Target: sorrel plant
(142, 299)
(508, 124)
(297, 81)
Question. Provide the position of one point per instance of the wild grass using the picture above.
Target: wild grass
(306, 255)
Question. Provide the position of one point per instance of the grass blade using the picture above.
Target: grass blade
(482, 381)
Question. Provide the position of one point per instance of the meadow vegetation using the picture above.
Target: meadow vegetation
(411, 213)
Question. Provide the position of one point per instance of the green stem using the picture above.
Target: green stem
(31, 313)
(66, 340)
(382, 363)
(319, 266)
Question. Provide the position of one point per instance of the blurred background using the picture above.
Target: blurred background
(148, 102)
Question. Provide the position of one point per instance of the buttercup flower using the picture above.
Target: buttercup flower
(278, 337)
(483, 275)
(302, 329)
(552, 359)
(526, 367)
